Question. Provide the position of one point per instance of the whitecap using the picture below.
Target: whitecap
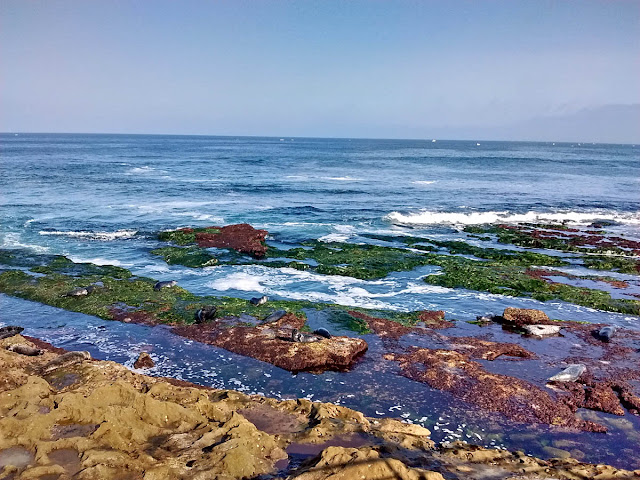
(343, 179)
(105, 236)
(427, 217)
(99, 261)
(12, 240)
(424, 182)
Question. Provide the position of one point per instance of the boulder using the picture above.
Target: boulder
(144, 361)
(524, 316)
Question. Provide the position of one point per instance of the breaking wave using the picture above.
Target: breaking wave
(104, 236)
(427, 217)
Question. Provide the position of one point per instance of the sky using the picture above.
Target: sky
(371, 68)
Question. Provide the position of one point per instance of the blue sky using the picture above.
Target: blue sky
(311, 68)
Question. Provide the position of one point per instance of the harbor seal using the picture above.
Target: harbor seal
(323, 332)
(569, 374)
(65, 360)
(275, 316)
(9, 331)
(299, 337)
(24, 349)
(79, 292)
(160, 285)
(259, 300)
(605, 333)
(206, 314)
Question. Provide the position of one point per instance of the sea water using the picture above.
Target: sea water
(99, 198)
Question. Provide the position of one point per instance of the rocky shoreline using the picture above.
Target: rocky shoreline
(67, 416)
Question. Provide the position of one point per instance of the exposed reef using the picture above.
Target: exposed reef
(498, 271)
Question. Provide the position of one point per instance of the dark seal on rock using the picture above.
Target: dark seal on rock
(605, 333)
(298, 336)
(24, 349)
(323, 332)
(160, 285)
(144, 361)
(206, 314)
(9, 331)
(275, 316)
(259, 300)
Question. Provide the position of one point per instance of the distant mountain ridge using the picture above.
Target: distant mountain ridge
(605, 124)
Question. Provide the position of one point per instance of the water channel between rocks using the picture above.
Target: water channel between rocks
(372, 386)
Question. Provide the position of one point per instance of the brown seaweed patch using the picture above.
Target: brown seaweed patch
(517, 399)
(487, 350)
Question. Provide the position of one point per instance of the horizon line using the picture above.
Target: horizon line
(425, 139)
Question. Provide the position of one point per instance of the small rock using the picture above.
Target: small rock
(144, 361)
(10, 331)
(259, 300)
(542, 330)
(569, 374)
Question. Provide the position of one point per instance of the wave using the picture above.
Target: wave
(99, 261)
(104, 236)
(12, 240)
(423, 182)
(427, 217)
(143, 170)
(343, 179)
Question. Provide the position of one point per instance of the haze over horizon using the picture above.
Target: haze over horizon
(504, 70)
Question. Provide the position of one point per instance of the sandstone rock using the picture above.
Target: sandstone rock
(338, 463)
(524, 316)
(144, 361)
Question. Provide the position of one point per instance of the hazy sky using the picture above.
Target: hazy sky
(310, 68)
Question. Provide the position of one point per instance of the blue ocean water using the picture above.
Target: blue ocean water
(98, 198)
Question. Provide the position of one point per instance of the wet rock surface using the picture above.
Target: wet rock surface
(116, 424)
(273, 343)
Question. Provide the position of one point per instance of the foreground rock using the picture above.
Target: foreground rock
(97, 420)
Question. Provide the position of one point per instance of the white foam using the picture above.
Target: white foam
(238, 281)
(12, 240)
(106, 236)
(427, 217)
(424, 182)
(145, 170)
(98, 261)
(342, 179)
(342, 234)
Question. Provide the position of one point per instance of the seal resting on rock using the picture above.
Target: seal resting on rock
(569, 374)
(65, 360)
(9, 331)
(160, 285)
(275, 316)
(259, 300)
(79, 292)
(24, 349)
(206, 314)
(298, 336)
(605, 333)
(323, 332)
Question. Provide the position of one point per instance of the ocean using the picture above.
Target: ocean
(100, 198)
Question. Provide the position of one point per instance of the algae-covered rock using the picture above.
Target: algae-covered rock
(524, 316)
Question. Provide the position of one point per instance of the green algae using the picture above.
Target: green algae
(457, 247)
(193, 257)
(513, 281)
(611, 263)
(185, 236)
